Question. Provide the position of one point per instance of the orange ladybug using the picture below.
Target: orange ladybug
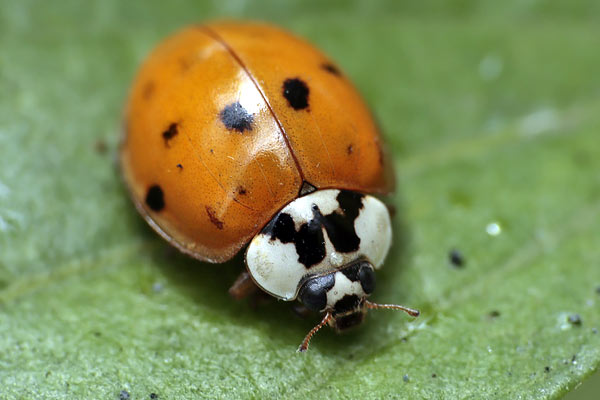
(241, 134)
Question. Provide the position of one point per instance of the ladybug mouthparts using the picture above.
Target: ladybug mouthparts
(342, 296)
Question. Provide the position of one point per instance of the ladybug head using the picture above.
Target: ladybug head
(342, 296)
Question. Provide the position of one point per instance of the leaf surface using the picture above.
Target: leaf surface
(491, 112)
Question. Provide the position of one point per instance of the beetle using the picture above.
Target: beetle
(240, 134)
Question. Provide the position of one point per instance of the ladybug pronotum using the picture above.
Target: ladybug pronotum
(243, 135)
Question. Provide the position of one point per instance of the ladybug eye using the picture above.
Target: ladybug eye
(366, 276)
(313, 293)
(170, 133)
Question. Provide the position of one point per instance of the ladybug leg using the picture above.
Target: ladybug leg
(243, 287)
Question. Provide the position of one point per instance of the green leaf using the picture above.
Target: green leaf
(491, 112)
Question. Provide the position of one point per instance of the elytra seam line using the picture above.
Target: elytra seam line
(218, 38)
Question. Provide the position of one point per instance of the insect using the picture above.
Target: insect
(240, 134)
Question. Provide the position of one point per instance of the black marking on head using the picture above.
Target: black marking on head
(361, 271)
(332, 69)
(212, 215)
(306, 188)
(281, 228)
(347, 303)
(351, 271)
(180, 167)
(155, 198)
(170, 133)
(340, 227)
(236, 118)
(310, 243)
(309, 239)
(296, 93)
(313, 293)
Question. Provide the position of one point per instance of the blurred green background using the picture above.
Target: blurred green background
(491, 112)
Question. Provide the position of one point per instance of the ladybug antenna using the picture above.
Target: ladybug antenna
(409, 311)
(304, 346)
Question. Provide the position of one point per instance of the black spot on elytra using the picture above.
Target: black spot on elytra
(350, 149)
(212, 215)
(361, 271)
(309, 239)
(236, 118)
(313, 293)
(180, 167)
(185, 64)
(155, 198)
(148, 90)
(242, 190)
(170, 133)
(332, 69)
(296, 93)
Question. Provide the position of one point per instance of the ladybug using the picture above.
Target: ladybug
(239, 134)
